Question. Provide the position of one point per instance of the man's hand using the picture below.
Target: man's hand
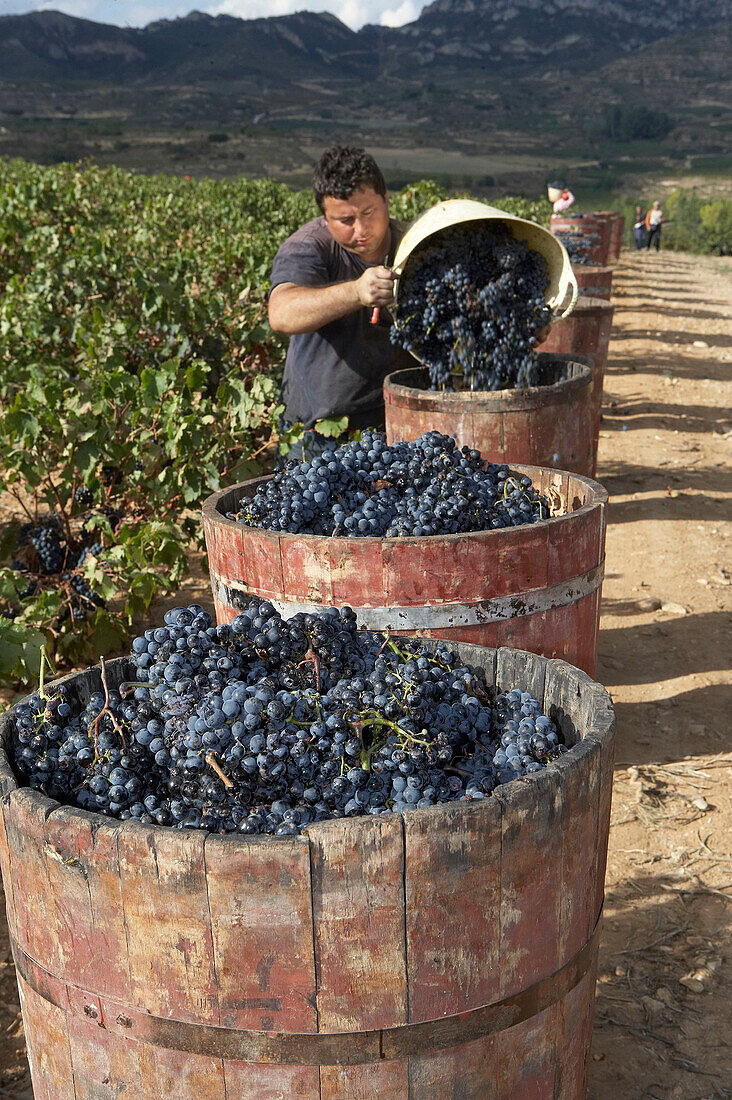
(376, 287)
(542, 333)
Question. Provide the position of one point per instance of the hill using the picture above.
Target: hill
(522, 77)
(482, 35)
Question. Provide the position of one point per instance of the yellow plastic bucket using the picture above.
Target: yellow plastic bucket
(562, 281)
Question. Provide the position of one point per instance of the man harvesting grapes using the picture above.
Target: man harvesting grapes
(328, 279)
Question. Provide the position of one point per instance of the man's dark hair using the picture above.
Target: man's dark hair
(344, 169)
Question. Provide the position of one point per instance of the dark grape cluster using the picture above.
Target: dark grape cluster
(46, 538)
(368, 488)
(84, 496)
(469, 308)
(578, 246)
(59, 559)
(267, 725)
(85, 599)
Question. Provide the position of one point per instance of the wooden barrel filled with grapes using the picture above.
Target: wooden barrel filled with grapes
(586, 237)
(444, 951)
(594, 281)
(535, 586)
(548, 424)
(586, 332)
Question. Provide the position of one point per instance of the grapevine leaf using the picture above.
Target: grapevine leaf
(331, 428)
(20, 652)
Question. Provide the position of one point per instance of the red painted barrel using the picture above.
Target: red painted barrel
(586, 234)
(536, 587)
(617, 229)
(449, 952)
(594, 281)
(586, 331)
(547, 425)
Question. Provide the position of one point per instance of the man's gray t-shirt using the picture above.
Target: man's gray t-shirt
(339, 369)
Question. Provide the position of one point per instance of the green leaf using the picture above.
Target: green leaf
(86, 457)
(8, 539)
(145, 586)
(331, 428)
(20, 652)
(108, 633)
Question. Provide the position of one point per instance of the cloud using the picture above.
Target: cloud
(354, 13)
(407, 12)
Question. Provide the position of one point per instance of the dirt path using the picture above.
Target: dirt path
(665, 645)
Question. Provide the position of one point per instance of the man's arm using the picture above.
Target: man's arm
(294, 309)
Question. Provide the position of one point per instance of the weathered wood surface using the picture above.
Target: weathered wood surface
(586, 332)
(168, 923)
(594, 281)
(358, 917)
(134, 941)
(259, 896)
(550, 424)
(440, 586)
(616, 232)
(453, 950)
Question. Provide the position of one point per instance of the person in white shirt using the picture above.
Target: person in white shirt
(654, 220)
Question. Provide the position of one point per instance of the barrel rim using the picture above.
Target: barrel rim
(597, 737)
(581, 214)
(598, 498)
(508, 400)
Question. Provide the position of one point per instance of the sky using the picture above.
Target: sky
(138, 13)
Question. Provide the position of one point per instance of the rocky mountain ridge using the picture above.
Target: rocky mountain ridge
(475, 35)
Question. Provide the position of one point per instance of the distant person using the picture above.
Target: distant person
(564, 201)
(653, 222)
(332, 286)
(639, 228)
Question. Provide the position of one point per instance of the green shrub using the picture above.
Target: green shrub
(716, 220)
(698, 225)
(415, 198)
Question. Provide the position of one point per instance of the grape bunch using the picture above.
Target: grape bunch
(84, 496)
(61, 561)
(85, 598)
(368, 488)
(579, 247)
(470, 306)
(267, 725)
(46, 538)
